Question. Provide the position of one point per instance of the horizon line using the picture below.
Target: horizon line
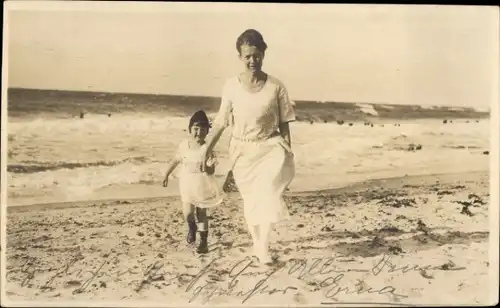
(300, 101)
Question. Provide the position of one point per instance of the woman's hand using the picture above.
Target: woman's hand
(165, 182)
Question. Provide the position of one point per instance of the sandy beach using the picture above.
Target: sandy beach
(390, 113)
(408, 240)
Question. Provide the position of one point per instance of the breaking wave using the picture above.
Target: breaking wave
(34, 167)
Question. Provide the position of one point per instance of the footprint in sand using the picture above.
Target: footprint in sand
(327, 229)
(72, 283)
(299, 298)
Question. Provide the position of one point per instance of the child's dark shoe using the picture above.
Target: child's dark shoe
(203, 246)
(191, 237)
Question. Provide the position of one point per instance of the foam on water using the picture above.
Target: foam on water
(73, 158)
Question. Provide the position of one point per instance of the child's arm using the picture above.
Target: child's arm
(171, 167)
(173, 164)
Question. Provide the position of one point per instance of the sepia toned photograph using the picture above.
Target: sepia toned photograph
(160, 154)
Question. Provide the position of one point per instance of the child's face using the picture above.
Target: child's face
(198, 132)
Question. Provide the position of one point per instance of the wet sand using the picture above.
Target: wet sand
(410, 240)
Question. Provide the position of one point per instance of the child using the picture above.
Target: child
(197, 188)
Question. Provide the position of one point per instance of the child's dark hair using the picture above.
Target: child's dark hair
(199, 117)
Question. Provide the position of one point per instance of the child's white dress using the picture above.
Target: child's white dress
(197, 187)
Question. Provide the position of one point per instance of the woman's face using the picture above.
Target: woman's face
(252, 58)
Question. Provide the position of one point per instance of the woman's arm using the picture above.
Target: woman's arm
(217, 133)
(223, 119)
(285, 132)
(286, 114)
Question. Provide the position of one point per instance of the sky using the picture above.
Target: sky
(404, 54)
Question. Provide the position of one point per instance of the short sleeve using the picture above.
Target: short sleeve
(224, 117)
(286, 106)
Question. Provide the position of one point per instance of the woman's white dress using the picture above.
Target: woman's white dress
(262, 161)
(197, 187)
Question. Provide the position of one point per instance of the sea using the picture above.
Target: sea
(67, 146)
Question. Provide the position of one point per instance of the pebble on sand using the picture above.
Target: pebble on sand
(414, 147)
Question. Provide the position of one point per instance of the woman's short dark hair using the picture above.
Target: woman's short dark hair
(251, 37)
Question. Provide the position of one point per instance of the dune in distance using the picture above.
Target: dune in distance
(56, 102)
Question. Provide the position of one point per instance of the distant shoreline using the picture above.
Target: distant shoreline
(24, 102)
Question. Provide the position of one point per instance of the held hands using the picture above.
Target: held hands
(206, 163)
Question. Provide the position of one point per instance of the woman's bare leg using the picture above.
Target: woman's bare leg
(265, 230)
(254, 233)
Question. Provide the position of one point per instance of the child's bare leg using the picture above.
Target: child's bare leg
(188, 212)
(201, 215)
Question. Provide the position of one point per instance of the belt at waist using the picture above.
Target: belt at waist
(274, 134)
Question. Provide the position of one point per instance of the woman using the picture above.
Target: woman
(257, 107)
